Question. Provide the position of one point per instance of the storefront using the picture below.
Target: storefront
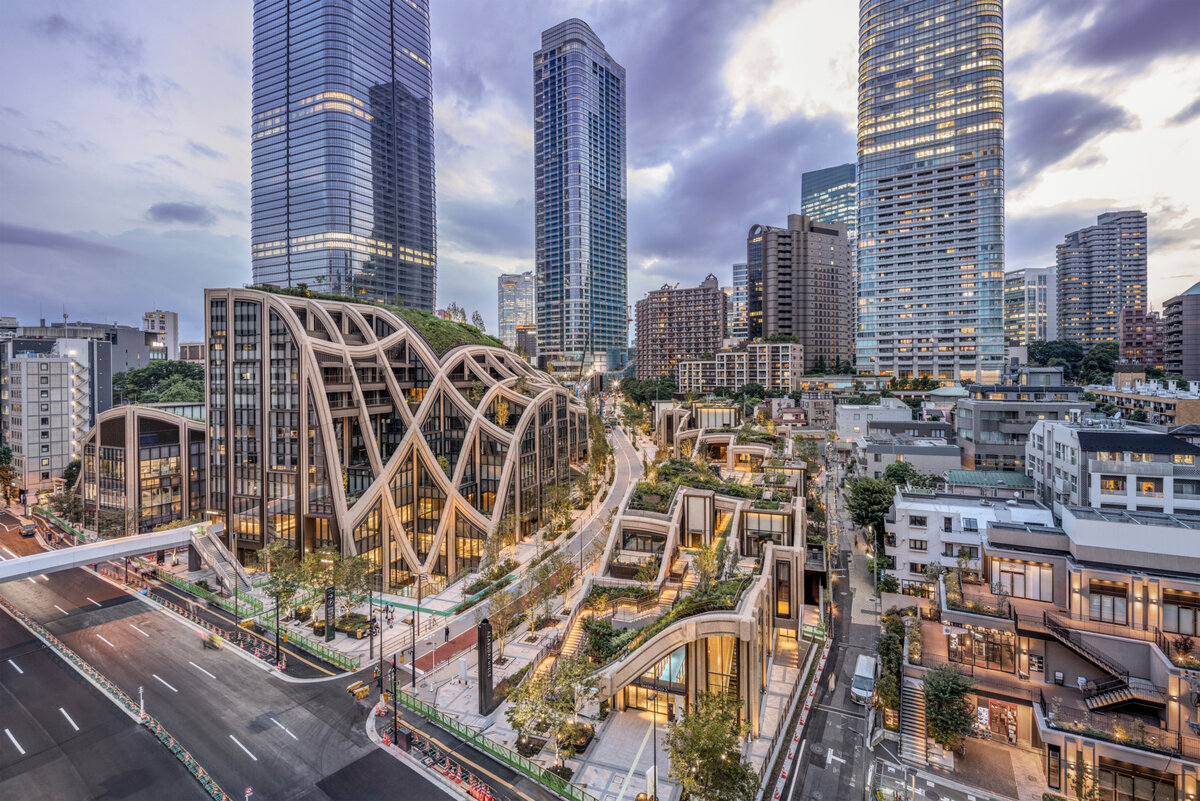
(984, 648)
(998, 720)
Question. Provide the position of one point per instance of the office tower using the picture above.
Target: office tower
(342, 191)
(527, 346)
(579, 190)
(739, 300)
(52, 391)
(1140, 338)
(1101, 270)
(340, 424)
(1030, 306)
(829, 195)
(515, 304)
(165, 327)
(1181, 334)
(805, 288)
(675, 324)
(931, 189)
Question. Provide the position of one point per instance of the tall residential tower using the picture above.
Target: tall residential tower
(1030, 306)
(342, 193)
(931, 189)
(515, 305)
(580, 195)
(1101, 270)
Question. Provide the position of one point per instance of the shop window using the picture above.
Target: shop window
(1181, 612)
(1108, 601)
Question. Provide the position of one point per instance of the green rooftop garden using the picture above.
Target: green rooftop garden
(441, 335)
(673, 473)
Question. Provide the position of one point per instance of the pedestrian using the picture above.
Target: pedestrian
(447, 634)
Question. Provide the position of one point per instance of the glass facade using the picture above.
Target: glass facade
(580, 196)
(342, 178)
(931, 189)
(739, 303)
(829, 195)
(515, 305)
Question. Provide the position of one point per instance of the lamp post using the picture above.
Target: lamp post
(371, 627)
(654, 730)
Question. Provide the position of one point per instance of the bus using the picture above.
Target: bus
(28, 527)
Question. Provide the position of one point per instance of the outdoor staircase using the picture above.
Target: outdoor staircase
(914, 746)
(574, 642)
(1120, 689)
(223, 565)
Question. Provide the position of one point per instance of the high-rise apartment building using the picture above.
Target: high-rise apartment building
(342, 188)
(931, 189)
(1140, 338)
(165, 327)
(1181, 334)
(1101, 270)
(515, 304)
(580, 196)
(1030, 306)
(739, 304)
(677, 324)
(830, 195)
(806, 289)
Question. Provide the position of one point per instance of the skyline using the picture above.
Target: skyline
(134, 153)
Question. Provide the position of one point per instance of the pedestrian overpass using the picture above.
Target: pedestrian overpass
(202, 540)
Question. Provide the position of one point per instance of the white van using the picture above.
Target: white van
(862, 688)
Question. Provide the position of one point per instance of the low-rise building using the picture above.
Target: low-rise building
(192, 352)
(1106, 464)
(853, 419)
(993, 422)
(1002, 484)
(937, 527)
(1140, 337)
(875, 452)
(777, 366)
(1161, 403)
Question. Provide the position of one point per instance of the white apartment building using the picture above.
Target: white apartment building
(777, 366)
(851, 419)
(49, 399)
(165, 327)
(925, 527)
(1106, 464)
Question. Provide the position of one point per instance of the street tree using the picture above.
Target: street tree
(705, 753)
(531, 704)
(317, 569)
(903, 473)
(503, 615)
(948, 714)
(869, 501)
(353, 579)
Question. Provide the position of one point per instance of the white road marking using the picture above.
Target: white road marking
(68, 717)
(14, 742)
(59, 608)
(285, 728)
(43, 577)
(10, 553)
(93, 600)
(139, 631)
(14, 664)
(30, 580)
(168, 686)
(231, 737)
(110, 645)
(205, 672)
(829, 758)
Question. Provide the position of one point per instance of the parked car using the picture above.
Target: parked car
(862, 687)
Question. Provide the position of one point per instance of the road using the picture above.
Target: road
(246, 726)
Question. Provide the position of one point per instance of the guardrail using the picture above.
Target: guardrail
(125, 700)
(251, 604)
(60, 523)
(350, 663)
(528, 767)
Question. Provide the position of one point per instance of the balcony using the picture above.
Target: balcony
(970, 604)
(1062, 709)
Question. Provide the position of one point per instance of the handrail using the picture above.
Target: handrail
(1072, 639)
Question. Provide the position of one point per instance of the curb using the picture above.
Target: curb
(447, 786)
(796, 744)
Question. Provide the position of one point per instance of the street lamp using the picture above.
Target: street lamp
(654, 729)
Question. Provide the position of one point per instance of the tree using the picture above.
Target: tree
(948, 714)
(168, 381)
(1098, 365)
(706, 568)
(869, 501)
(353, 579)
(1062, 352)
(67, 505)
(1138, 416)
(530, 704)
(502, 412)
(71, 473)
(477, 320)
(705, 754)
(903, 473)
(7, 474)
(317, 569)
(502, 617)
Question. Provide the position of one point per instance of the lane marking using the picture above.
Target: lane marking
(93, 600)
(68, 717)
(205, 672)
(10, 553)
(14, 664)
(231, 737)
(285, 728)
(110, 645)
(59, 608)
(30, 580)
(42, 576)
(139, 631)
(14, 742)
(168, 686)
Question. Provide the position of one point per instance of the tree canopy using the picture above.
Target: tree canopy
(161, 382)
(643, 392)
(705, 752)
(948, 714)
(869, 501)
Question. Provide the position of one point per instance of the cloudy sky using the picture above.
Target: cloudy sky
(124, 147)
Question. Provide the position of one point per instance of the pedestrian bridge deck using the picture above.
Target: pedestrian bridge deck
(94, 552)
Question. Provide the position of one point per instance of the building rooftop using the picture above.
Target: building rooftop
(955, 391)
(1133, 441)
(951, 502)
(1137, 518)
(988, 478)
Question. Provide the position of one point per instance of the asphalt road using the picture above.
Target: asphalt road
(247, 727)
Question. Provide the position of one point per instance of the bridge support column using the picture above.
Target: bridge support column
(193, 559)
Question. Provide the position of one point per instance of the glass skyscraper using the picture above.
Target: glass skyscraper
(829, 195)
(342, 192)
(580, 195)
(736, 326)
(514, 305)
(931, 189)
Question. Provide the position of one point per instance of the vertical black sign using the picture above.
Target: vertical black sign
(484, 641)
(329, 596)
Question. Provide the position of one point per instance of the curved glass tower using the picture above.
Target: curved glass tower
(931, 189)
(342, 193)
(579, 187)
